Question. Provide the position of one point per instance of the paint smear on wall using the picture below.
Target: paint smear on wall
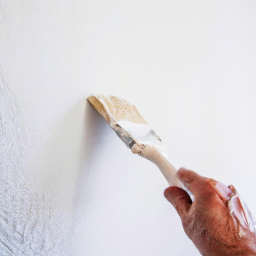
(29, 224)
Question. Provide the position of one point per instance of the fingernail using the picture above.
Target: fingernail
(224, 190)
(181, 172)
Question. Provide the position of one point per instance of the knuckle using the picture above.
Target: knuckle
(190, 176)
(207, 183)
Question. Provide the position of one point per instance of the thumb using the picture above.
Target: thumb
(180, 200)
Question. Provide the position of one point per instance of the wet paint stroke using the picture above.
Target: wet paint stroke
(29, 224)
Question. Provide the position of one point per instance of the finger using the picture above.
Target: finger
(180, 199)
(239, 212)
(191, 180)
(223, 191)
(232, 188)
(203, 187)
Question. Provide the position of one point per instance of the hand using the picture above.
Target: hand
(218, 222)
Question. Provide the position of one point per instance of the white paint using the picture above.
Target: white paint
(69, 186)
(143, 133)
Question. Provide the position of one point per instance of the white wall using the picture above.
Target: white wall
(69, 186)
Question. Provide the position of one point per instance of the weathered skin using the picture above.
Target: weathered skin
(218, 222)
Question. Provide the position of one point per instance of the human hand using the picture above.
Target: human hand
(218, 222)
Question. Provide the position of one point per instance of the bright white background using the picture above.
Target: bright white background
(69, 186)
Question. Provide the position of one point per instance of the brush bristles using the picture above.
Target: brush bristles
(115, 108)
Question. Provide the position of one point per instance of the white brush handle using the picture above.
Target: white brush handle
(151, 153)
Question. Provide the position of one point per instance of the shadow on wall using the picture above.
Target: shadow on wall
(95, 130)
(73, 150)
(96, 140)
(74, 143)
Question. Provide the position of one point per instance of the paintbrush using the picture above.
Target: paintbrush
(135, 132)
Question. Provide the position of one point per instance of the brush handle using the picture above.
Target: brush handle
(154, 155)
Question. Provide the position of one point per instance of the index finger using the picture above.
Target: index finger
(194, 182)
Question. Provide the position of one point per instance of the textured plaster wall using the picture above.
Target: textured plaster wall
(68, 185)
